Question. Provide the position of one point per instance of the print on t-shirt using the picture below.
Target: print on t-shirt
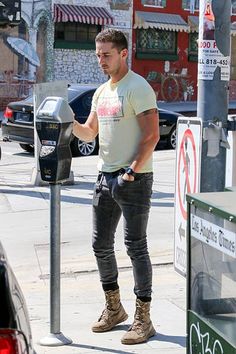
(110, 107)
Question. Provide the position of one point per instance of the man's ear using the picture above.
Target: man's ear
(124, 53)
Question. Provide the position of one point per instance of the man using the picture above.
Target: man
(124, 113)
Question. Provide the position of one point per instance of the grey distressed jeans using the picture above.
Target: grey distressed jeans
(112, 197)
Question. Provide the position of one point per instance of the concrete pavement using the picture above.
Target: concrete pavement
(25, 230)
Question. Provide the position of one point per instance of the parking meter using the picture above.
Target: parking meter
(54, 120)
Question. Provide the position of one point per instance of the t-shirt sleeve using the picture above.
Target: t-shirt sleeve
(94, 102)
(143, 97)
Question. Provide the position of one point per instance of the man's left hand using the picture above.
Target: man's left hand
(127, 177)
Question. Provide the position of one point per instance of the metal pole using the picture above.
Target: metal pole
(55, 256)
(55, 338)
(213, 84)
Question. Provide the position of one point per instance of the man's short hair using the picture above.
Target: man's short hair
(114, 36)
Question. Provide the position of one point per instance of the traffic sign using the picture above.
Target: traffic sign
(187, 180)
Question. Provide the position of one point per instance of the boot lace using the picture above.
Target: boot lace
(140, 314)
(105, 315)
(111, 300)
(112, 303)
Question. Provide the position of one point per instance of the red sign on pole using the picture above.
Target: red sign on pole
(188, 157)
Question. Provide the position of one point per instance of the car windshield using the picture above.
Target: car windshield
(28, 99)
(73, 94)
(77, 90)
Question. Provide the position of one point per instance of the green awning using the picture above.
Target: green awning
(163, 21)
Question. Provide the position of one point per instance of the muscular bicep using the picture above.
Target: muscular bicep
(149, 124)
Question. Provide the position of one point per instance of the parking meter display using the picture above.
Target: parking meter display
(49, 106)
(54, 121)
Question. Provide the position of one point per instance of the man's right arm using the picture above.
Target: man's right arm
(87, 131)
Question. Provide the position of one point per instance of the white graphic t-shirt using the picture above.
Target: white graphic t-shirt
(117, 106)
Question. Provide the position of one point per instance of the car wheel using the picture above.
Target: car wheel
(27, 147)
(82, 148)
(171, 140)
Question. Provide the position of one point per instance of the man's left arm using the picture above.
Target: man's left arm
(149, 126)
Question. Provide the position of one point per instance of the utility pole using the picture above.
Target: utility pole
(213, 90)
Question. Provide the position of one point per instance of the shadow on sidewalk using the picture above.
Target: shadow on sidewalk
(78, 200)
(181, 340)
(161, 195)
(100, 349)
(46, 196)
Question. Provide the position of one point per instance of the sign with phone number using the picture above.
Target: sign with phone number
(209, 59)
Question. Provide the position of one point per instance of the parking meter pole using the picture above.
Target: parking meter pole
(55, 256)
(54, 121)
(55, 338)
(213, 83)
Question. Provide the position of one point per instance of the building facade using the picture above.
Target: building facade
(162, 36)
(18, 71)
(165, 51)
(76, 24)
(62, 33)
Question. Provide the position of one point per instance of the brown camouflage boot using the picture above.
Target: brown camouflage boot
(142, 328)
(113, 313)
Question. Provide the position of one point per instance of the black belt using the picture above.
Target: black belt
(121, 171)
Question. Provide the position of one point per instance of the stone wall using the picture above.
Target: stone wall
(80, 66)
(77, 66)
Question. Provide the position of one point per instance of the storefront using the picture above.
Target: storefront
(165, 50)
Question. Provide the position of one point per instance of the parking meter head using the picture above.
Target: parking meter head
(54, 122)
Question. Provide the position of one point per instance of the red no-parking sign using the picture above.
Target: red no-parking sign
(187, 180)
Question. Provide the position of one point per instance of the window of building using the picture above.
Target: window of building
(159, 3)
(75, 35)
(190, 5)
(153, 43)
(193, 46)
(120, 4)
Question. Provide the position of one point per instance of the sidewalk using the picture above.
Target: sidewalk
(24, 213)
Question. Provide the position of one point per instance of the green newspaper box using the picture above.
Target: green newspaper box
(211, 273)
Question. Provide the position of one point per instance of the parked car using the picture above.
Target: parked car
(15, 331)
(168, 125)
(18, 121)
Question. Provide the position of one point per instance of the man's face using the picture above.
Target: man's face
(109, 58)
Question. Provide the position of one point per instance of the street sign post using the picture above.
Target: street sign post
(213, 92)
(187, 180)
